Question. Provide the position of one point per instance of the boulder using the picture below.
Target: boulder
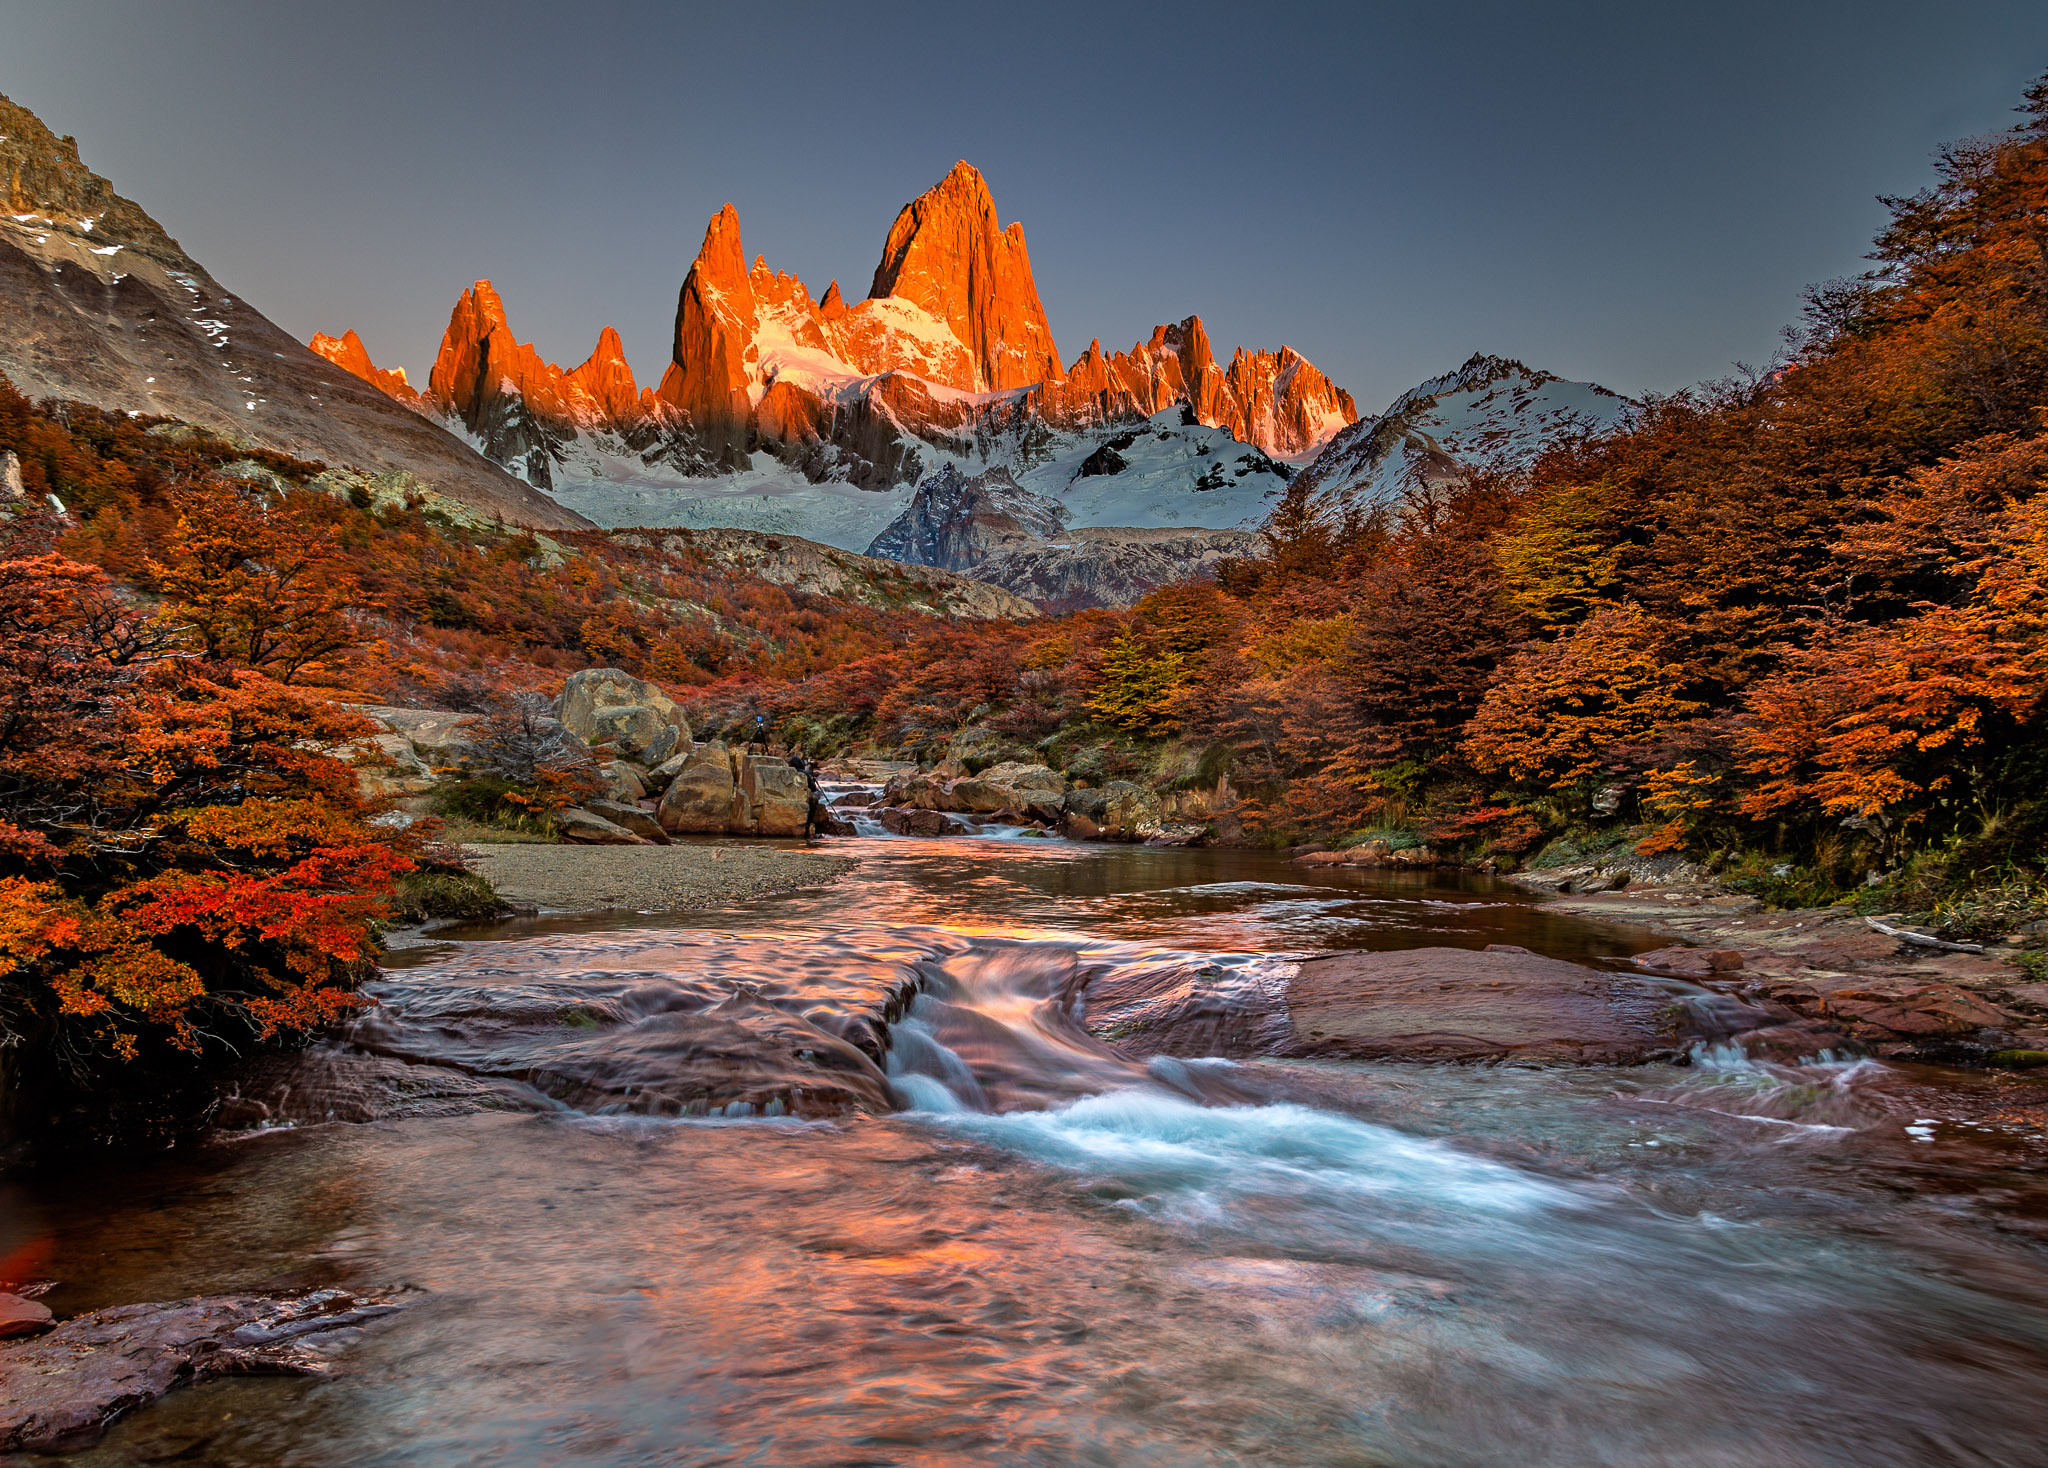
(656, 780)
(771, 798)
(396, 769)
(433, 739)
(585, 828)
(630, 818)
(1085, 802)
(918, 792)
(698, 798)
(1129, 812)
(901, 822)
(622, 782)
(1019, 776)
(1014, 785)
(607, 706)
(981, 797)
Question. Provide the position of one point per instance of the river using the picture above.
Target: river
(1059, 1256)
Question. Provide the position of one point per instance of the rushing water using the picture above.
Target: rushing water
(1058, 1255)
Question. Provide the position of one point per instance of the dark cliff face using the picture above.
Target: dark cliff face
(101, 306)
(1108, 565)
(957, 522)
(1003, 534)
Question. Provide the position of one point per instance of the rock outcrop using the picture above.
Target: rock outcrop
(957, 523)
(349, 354)
(1107, 565)
(60, 1392)
(1004, 534)
(787, 560)
(1276, 400)
(710, 372)
(1503, 1004)
(102, 306)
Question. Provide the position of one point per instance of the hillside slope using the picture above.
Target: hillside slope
(100, 305)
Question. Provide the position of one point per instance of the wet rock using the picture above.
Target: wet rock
(20, 1317)
(824, 823)
(901, 822)
(1690, 963)
(1933, 1010)
(1450, 1004)
(60, 1391)
(781, 1024)
(589, 829)
(630, 818)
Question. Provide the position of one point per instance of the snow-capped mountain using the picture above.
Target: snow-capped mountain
(817, 417)
(1489, 413)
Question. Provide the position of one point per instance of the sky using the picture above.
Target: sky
(1629, 194)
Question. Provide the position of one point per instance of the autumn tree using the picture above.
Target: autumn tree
(1561, 710)
(257, 585)
(183, 861)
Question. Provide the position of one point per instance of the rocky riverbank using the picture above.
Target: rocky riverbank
(1834, 975)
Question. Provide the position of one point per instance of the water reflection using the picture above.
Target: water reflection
(1063, 1256)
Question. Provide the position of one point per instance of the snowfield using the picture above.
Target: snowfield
(1175, 476)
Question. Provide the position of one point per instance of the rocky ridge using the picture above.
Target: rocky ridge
(103, 307)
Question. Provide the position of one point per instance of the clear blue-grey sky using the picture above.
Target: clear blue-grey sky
(1630, 193)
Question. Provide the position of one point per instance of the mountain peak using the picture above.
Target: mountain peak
(946, 255)
(41, 174)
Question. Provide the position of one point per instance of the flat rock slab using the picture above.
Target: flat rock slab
(60, 1390)
(22, 1317)
(1453, 1004)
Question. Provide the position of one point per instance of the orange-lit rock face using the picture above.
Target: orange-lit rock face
(756, 364)
(946, 256)
(482, 365)
(348, 353)
(607, 380)
(1278, 401)
(714, 338)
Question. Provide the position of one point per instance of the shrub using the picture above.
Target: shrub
(425, 895)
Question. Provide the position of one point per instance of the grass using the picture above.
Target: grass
(425, 895)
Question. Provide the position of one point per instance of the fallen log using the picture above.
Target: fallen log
(1924, 940)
